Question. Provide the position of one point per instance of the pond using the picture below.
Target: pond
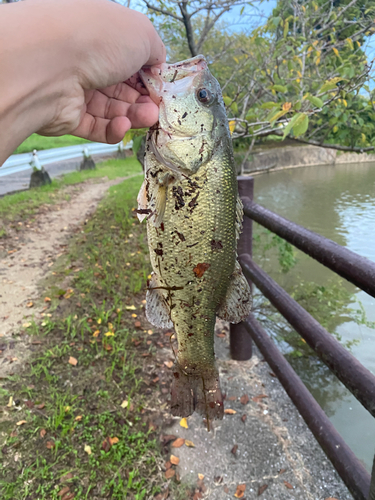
(337, 202)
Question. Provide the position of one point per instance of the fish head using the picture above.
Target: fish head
(192, 118)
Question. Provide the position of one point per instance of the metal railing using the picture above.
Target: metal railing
(37, 159)
(359, 380)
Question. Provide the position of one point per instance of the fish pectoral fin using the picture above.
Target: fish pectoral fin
(238, 301)
(239, 217)
(197, 392)
(157, 310)
(142, 201)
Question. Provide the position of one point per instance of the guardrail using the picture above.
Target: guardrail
(37, 159)
(359, 380)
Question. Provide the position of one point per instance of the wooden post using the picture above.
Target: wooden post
(240, 340)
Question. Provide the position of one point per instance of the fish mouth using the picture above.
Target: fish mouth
(168, 77)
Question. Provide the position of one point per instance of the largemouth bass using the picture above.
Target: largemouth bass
(194, 218)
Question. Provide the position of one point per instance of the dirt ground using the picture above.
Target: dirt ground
(30, 253)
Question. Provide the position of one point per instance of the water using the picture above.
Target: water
(337, 202)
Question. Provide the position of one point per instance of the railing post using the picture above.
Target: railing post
(372, 485)
(240, 340)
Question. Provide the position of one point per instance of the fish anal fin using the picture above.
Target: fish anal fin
(199, 392)
(157, 310)
(237, 303)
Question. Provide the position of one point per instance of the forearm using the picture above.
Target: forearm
(33, 69)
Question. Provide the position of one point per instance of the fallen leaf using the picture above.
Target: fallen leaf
(72, 361)
(106, 444)
(288, 485)
(229, 411)
(21, 422)
(150, 332)
(26, 325)
(244, 399)
(259, 397)
(43, 432)
(168, 364)
(30, 304)
(41, 406)
(281, 471)
(137, 324)
(66, 477)
(124, 404)
(240, 491)
(174, 460)
(178, 443)
(200, 476)
(221, 335)
(168, 465)
(231, 398)
(331, 498)
(63, 491)
(226, 489)
(130, 308)
(134, 315)
(262, 489)
(114, 440)
(50, 445)
(96, 333)
(87, 449)
(47, 299)
(109, 334)
(167, 438)
(78, 418)
(69, 496)
(169, 473)
(190, 444)
(234, 449)
(10, 403)
(183, 423)
(156, 379)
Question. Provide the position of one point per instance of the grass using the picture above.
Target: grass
(39, 142)
(22, 205)
(80, 424)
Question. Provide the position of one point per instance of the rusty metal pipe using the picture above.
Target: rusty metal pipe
(240, 342)
(359, 380)
(351, 266)
(350, 469)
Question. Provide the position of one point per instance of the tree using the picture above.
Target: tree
(302, 74)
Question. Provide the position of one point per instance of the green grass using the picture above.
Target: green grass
(39, 142)
(20, 206)
(72, 411)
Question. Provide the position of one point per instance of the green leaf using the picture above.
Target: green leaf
(276, 116)
(280, 88)
(292, 122)
(330, 84)
(269, 105)
(250, 116)
(276, 21)
(241, 12)
(234, 107)
(286, 29)
(315, 101)
(301, 125)
(227, 100)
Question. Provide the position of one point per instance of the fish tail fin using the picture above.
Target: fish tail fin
(199, 392)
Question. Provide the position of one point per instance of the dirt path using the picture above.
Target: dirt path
(30, 260)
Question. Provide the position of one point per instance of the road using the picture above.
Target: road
(20, 181)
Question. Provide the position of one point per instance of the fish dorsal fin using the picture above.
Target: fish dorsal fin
(237, 303)
(157, 310)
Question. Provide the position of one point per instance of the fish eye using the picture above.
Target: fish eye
(204, 96)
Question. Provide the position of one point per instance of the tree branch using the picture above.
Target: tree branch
(162, 11)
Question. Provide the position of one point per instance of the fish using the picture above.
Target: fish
(194, 218)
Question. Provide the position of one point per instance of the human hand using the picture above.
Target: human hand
(115, 42)
(65, 68)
